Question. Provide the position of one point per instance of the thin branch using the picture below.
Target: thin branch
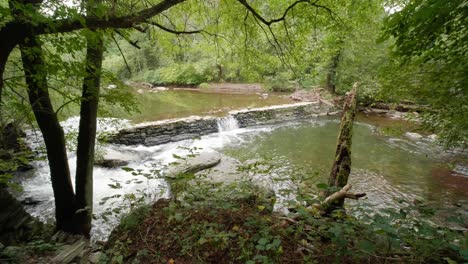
(177, 32)
(65, 104)
(133, 43)
(121, 53)
(276, 20)
(289, 8)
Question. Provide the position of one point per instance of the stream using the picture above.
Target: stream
(388, 168)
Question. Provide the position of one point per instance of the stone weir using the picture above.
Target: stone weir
(172, 130)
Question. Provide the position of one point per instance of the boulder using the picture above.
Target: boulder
(114, 158)
(227, 171)
(30, 201)
(70, 252)
(95, 257)
(111, 163)
(16, 224)
(11, 135)
(195, 164)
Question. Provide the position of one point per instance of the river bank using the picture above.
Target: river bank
(271, 153)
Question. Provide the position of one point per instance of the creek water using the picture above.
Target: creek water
(182, 103)
(387, 168)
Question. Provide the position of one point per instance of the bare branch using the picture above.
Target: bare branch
(67, 103)
(276, 20)
(121, 52)
(133, 43)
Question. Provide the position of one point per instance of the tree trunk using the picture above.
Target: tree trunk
(331, 75)
(87, 130)
(52, 132)
(342, 165)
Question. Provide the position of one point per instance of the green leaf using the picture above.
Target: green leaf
(127, 169)
(366, 246)
(322, 185)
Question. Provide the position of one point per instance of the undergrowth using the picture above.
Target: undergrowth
(235, 223)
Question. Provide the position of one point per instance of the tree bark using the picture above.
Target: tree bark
(52, 132)
(342, 164)
(87, 130)
(331, 74)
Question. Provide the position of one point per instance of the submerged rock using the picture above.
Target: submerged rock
(111, 163)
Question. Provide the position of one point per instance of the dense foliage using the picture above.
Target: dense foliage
(51, 57)
(431, 43)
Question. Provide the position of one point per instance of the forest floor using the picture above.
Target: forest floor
(232, 225)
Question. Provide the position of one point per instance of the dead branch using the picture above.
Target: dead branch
(339, 195)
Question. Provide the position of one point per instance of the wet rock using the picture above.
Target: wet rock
(95, 257)
(413, 136)
(305, 96)
(227, 171)
(30, 201)
(193, 165)
(11, 135)
(381, 106)
(111, 163)
(280, 113)
(379, 111)
(160, 88)
(461, 170)
(432, 137)
(162, 132)
(16, 224)
(70, 252)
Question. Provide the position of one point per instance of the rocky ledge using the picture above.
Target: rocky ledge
(173, 130)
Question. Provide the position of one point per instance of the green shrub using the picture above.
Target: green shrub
(280, 83)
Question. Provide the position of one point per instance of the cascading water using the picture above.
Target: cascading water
(227, 123)
(385, 177)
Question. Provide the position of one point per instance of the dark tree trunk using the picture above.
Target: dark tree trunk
(52, 132)
(87, 130)
(342, 164)
(331, 74)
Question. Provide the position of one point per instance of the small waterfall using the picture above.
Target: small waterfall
(227, 123)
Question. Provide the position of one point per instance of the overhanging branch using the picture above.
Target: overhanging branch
(286, 11)
(173, 31)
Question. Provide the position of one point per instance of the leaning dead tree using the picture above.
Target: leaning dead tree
(341, 168)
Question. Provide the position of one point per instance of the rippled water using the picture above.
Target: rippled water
(386, 168)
